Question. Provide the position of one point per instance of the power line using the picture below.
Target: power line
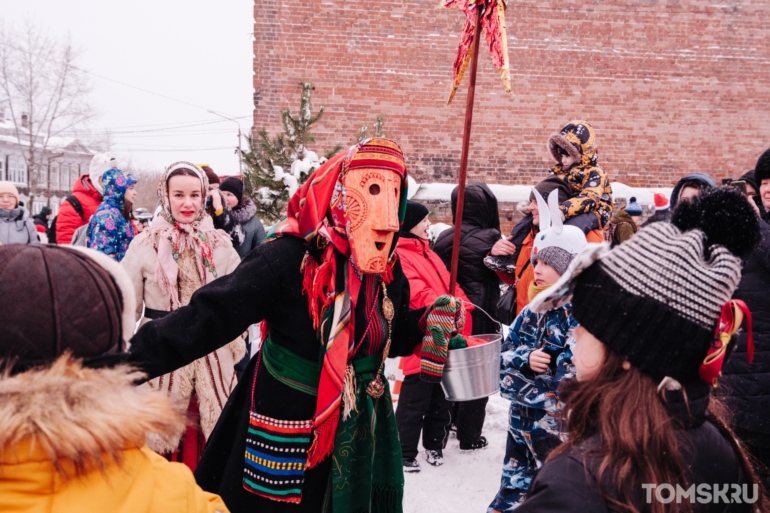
(174, 126)
(166, 129)
(77, 68)
(180, 149)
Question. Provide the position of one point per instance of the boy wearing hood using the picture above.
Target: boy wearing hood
(575, 151)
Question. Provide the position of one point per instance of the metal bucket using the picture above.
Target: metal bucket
(473, 372)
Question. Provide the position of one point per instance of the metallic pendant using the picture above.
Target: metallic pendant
(376, 387)
(387, 309)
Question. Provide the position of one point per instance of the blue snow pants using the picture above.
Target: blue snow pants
(532, 434)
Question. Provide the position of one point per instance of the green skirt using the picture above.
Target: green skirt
(367, 471)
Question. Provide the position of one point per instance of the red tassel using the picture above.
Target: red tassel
(318, 283)
(729, 322)
(749, 328)
(323, 440)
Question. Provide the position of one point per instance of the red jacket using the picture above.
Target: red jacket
(428, 279)
(69, 220)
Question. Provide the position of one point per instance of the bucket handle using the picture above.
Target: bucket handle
(500, 327)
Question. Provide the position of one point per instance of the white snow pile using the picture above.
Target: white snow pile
(305, 165)
(520, 193)
(435, 230)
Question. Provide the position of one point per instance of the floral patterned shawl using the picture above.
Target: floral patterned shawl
(171, 238)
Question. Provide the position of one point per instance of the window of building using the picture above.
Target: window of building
(42, 176)
(38, 205)
(54, 176)
(17, 171)
(54, 206)
(21, 172)
(66, 180)
(2, 168)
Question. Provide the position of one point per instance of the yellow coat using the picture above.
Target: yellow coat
(60, 424)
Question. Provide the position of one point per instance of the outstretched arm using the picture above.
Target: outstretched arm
(218, 313)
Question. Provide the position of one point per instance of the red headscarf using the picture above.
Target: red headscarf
(319, 210)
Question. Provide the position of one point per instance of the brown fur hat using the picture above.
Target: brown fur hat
(58, 299)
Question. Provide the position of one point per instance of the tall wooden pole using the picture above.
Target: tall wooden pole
(464, 156)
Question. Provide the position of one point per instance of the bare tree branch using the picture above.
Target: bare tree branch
(41, 83)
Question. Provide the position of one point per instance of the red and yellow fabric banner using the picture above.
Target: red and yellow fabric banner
(493, 26)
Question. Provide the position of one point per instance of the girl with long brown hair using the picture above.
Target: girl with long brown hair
(656, 319)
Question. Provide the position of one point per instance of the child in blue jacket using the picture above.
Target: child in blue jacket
(535, 358)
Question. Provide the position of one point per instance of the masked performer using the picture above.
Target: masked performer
(310, 426)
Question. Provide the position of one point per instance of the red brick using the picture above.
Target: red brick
(671, 87)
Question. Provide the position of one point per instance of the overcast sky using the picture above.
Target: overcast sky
(195, 51)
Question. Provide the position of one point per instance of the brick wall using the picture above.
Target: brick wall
(671, 86)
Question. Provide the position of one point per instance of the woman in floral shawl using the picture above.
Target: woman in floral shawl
(179, 253)
(110, 230)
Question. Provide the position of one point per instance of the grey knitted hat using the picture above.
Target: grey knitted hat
(656, 299)
(556, 257)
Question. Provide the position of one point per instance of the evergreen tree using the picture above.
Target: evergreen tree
(276, 166)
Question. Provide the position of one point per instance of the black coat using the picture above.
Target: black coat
(568, 482)
(480, 230)
(746, 388)
(266, 285)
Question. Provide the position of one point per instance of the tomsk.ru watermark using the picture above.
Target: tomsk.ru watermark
(704, 493)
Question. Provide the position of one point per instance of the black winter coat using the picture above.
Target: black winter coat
(266, 285)
(480, 230)
(746, 388)
(568, 482)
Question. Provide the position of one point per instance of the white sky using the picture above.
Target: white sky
(193, 50)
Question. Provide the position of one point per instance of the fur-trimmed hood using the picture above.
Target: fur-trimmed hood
(244, 210)
(577, 138)
(78, 417)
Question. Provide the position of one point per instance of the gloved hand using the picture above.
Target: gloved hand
(445, 318)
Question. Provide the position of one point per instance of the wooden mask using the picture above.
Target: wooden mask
(373, 197)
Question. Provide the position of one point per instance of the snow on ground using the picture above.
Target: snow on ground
(466, 482)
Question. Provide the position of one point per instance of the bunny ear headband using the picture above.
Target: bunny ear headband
(550, 215)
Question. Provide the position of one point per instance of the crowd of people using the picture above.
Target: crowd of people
(635, 351)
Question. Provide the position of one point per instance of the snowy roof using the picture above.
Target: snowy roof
(520, 193)
(55, 144)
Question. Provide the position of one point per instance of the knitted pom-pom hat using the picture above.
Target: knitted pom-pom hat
(633, 208)
(656, 299)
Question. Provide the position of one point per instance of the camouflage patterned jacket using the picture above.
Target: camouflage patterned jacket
(586, 179)
(551, 332)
